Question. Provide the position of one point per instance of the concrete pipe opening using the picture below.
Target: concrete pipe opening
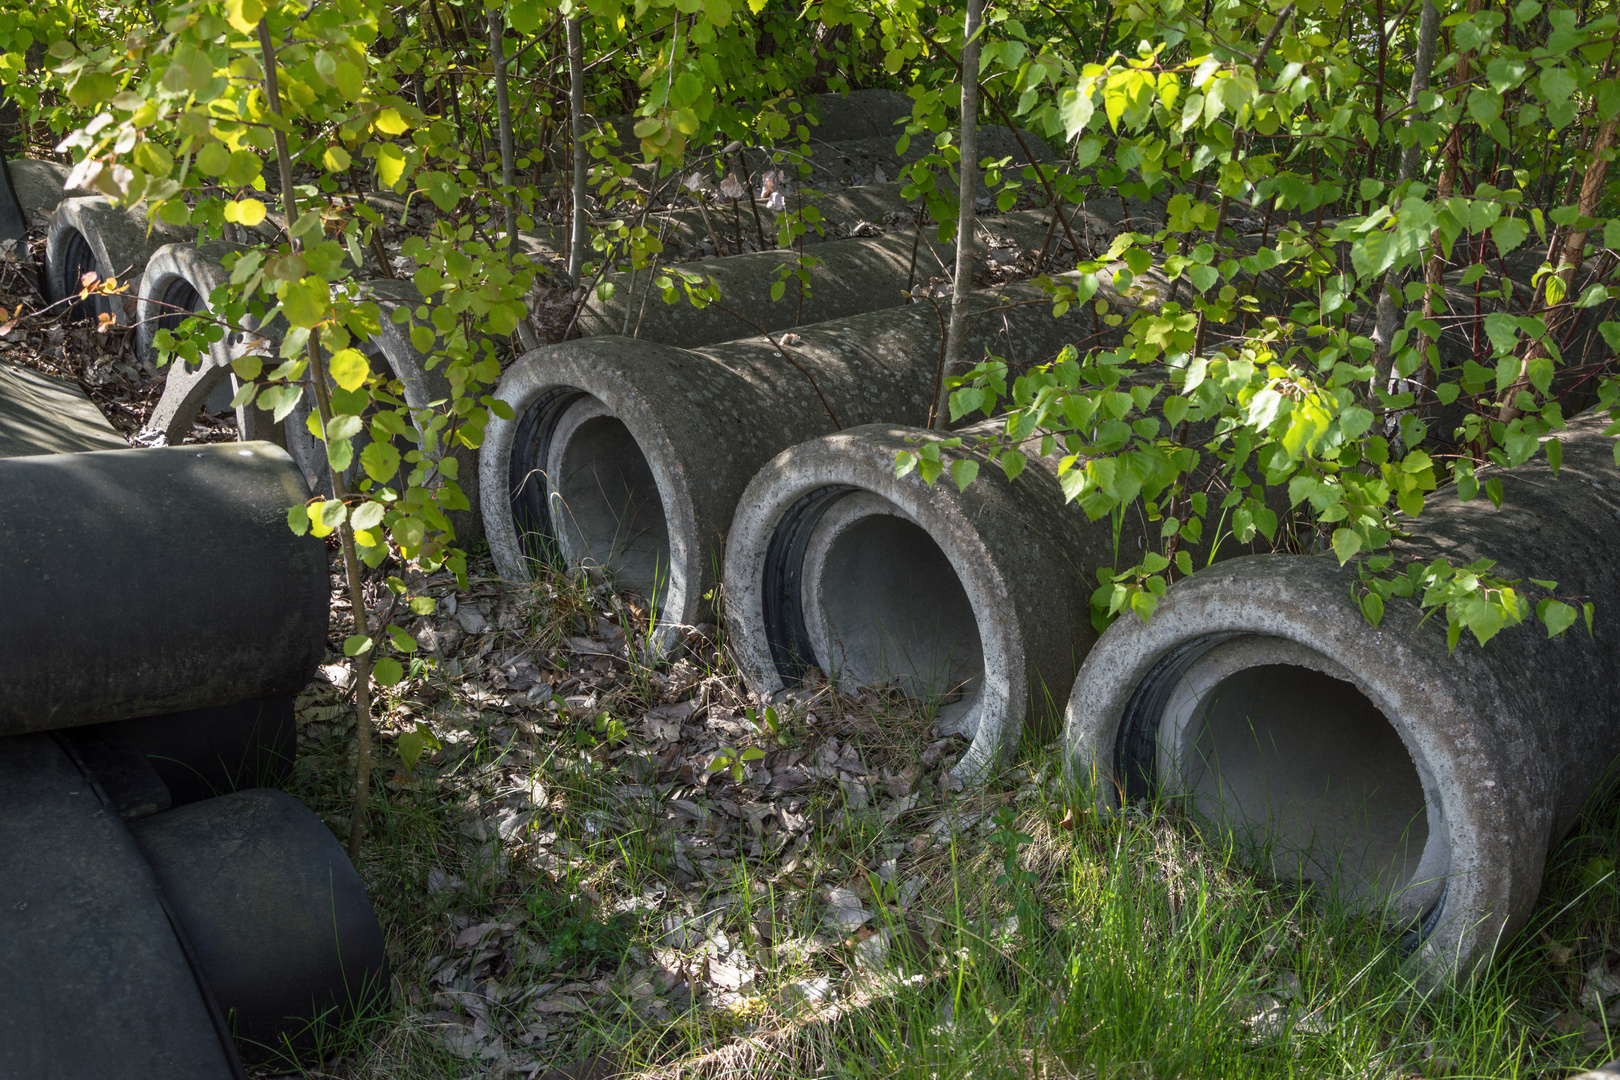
(878, 604)
(77, 260)
(1276, 745)
(584, 494)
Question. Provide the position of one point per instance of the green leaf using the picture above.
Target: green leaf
(1345, 544)
(1555, 455)
(423, 605)
(1509, 233)
(298, 519)
(349, 368)
(402, 640)
(412, 744)
(390, 164)
(963, 471)
(1372, 606)
(355, 644)
(367, 515)
(387, 671)
(306, 303)
(1557, 615)
(380, 461)
(214, 159)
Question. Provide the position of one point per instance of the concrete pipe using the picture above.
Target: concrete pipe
(38, 185)
(178, 280)
(632, 456)
(390, 350)
(851, 276)
(194, 755)
(13, 218)
(43, 415)
(91, 235)
(275, 913)
(98, 979)
(975, 603)
(1393, 772)
(154, 581)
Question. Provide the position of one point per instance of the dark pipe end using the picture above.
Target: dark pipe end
(276, 913)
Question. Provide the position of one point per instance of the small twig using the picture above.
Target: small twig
(766, 334)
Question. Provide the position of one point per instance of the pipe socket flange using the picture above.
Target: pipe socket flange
(582, 475)
(424, 389)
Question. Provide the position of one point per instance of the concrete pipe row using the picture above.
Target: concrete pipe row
(633, 456)
(169, 914)
(91, 235)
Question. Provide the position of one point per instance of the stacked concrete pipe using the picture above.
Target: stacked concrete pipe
(850, 277)
(91, 235)
(633, 455)
(1389, 769)
(975, 603)
(164, 913)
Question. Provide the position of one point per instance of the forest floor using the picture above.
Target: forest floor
(586, 873)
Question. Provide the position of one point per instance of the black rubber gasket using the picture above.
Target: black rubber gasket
(77, 260)
(783, 598)
(526, 480)
(180, 300)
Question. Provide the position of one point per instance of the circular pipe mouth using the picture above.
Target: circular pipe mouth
(584, 494)
(1275, 744)
(855, 587)
(77, 260)
(180, 299)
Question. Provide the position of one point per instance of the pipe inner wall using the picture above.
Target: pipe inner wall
(884, 607)
(1274, 743)
(604, 501)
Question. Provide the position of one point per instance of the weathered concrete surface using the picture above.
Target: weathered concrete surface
(683, 432)
(276, 915)
(42, 415)
(1463, 766)
(851, 276)
(38, 185)
(13, 218)
(113, 617)
(91, 234)
(178, 278)
(423, 386)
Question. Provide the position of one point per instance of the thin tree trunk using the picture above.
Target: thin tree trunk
(576, 120)
(967, 168)
(1389, 309)
(323, 405)
(1569, 264)
(1434, 270)
(503, 118)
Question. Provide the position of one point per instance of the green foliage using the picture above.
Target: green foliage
(577, 941)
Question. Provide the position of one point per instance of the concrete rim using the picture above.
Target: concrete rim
(859, 459)
(1305, 602)
(568, 369)
(185, 388)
